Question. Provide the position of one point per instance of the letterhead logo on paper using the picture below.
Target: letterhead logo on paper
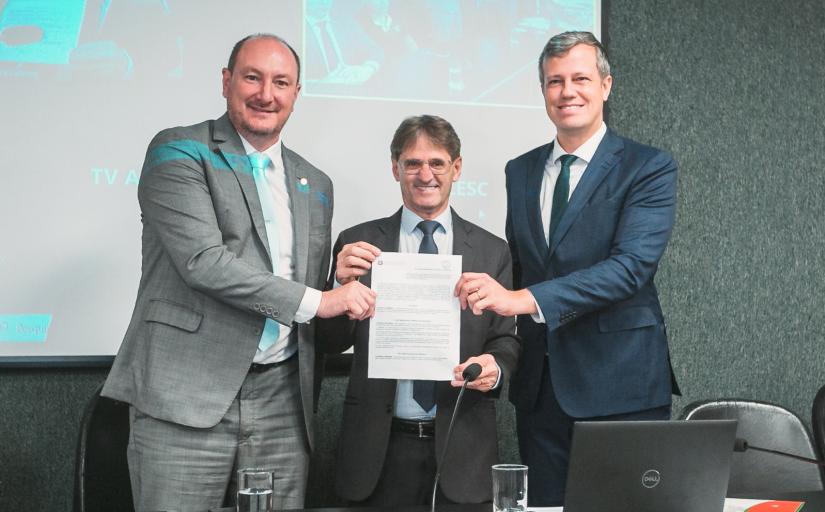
(651, 478)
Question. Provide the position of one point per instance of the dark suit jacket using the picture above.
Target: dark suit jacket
(605, 334)
(368, 405)
(207, 282)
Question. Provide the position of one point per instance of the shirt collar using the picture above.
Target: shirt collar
(584, 152)
(273, 151)
(410, 220)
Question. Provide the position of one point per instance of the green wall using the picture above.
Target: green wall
(735, 90)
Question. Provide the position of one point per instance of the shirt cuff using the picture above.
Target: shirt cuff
(498, 377)
(538, 316)
(308, 307)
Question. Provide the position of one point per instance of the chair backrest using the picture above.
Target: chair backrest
(101, 471)
(818, 421)
(767, 426)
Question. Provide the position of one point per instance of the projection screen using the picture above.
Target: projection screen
(87, 83)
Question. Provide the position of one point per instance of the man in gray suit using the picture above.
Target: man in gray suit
(217, 361)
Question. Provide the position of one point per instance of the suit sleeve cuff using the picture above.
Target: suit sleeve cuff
(308, 307)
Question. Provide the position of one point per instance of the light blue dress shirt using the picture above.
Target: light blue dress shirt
(409, 240)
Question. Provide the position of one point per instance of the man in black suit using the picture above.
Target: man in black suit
(393, 431)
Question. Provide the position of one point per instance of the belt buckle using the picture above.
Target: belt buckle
(421, 430)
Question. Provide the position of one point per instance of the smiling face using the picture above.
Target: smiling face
(425, 193)
(574, 95)
(261, 90)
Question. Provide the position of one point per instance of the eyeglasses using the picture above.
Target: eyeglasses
(437, 166)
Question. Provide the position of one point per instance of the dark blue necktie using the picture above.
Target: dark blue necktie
(424, 390)
(560, 194)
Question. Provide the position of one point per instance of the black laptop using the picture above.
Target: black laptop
(649, 466)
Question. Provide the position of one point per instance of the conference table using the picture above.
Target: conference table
(814, 502)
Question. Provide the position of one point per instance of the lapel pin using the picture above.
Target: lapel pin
(303, 184)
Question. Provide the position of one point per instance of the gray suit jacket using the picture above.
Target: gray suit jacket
(368, 405)
(207, 282)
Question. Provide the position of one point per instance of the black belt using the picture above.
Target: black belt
(260, 368)
(420, 429)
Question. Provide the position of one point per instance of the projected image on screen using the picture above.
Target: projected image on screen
(78, 38)
(86, 84)
(456, 51)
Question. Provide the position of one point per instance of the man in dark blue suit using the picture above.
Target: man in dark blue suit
(589, 216)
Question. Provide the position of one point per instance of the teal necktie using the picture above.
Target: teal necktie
(560, 193)
(260, 162)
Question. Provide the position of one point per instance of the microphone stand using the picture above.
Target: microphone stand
(741, 445)
(470, 374)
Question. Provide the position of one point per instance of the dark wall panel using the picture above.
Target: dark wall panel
(39, 426)
(735, 91)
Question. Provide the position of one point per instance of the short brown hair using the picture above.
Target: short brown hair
(438, 130)
(560, 44)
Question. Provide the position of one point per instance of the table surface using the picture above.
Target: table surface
(814, 502)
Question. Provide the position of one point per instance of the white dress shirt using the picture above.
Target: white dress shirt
(552, 169)
(275, 177)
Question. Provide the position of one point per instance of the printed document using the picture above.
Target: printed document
(415, 333)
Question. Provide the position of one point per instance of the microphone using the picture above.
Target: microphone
(469, 374)
(741, 445)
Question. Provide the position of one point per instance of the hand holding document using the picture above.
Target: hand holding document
(415, 333)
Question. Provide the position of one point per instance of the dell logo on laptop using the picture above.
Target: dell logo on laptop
(651, 478)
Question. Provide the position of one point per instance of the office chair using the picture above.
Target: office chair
(770, 426)
(818, 421)
(101, 471)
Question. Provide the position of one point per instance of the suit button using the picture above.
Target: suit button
(258, 332)
(269, 311)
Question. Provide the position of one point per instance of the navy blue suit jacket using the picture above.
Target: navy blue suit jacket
(604, 332)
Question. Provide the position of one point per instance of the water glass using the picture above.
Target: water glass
(509, 488)
(255, 490)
